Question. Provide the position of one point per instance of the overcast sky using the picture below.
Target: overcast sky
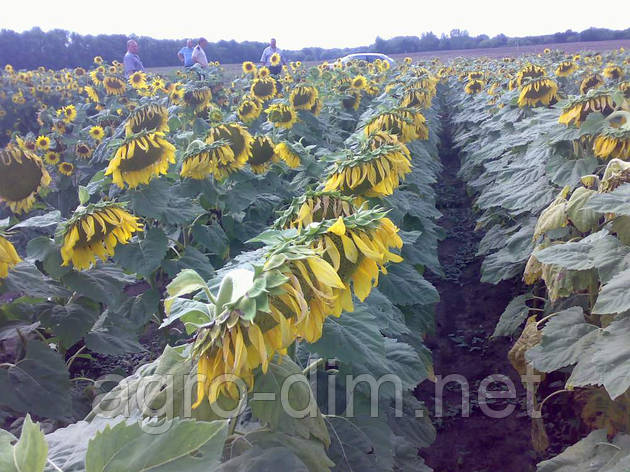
(324, 23)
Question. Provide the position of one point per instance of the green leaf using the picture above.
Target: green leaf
(145, 255)
(187, 281)
(257, 459)
(39, 248)
(161, 200)
(31, 450)
(189, 311)
(84, 195)
(40, 222)
(403, 285)
(38, 383)
(211, 237)
(191, 258)
(26, 279)
(69, 322)
(614, 297)
(112, 340)
(127, 448)
(103, 283)
(513, 316)
(275, 412)
(617, 201)
(563, 171)
(594, 453)
(583, 218)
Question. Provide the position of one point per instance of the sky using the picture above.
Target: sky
(324, 23)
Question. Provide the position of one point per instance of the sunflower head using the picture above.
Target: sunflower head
(263, 154)
(263, 88)
(97, 133)
(249, 109)
(405, 124)
(613, 72)
(9, 257)
(42, 142)
(98, 60)
(281, 115)
(612, 143)
(22, 175)
(590, 82)
(83, 150)
(52, 158)
(566, 68)
(359, 82)
(140, 159)
(234, 153)
(248, 67)
(137, 80)
(198, 98)
(351, 99)
(94, 231)
(65, 168)
(68, 113)
(151, 117)
(577, 109)
(262, 72)
(303, 97)
(288, 154)
(530, 71)
(542, 91)
(474, 86)
(113, 85)
(275, 59)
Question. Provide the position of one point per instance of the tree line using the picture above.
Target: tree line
(58, 48)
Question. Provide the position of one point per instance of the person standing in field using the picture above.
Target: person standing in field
(131, 61)
(199, 55)
(272, 58)
(185, 54)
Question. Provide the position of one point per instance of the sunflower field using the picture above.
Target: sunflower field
(203, 273)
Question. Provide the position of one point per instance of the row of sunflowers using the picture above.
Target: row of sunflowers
(260, 232)
(545, 142)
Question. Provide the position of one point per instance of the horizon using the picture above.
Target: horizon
(541, 18)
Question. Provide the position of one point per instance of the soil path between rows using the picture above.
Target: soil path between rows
(465, 319)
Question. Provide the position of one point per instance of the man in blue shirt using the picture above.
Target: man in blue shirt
(132, 61)
(265, 59)
(185, 54)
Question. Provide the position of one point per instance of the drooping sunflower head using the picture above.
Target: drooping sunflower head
(248, 67)
(351, 99)
(613, 72)
(263, 88)
(83, 150)
(9, 257)
(22, 175)
(612, 143)
(263, 154)
(617, 173)
(138, 80)
(476, 75)
(249, 109)
(140, 159)
(590, 82)
(68, 113)
(416, 97)
(474, 86)
(113, 85)
(577, 109)
(238, 141)
(288, 154)
(151, 117)
(281, 115)
(542, 91)
(374, 168)
(530, 71)
(405, 124)
(303, 97)
(94, 231)
(66, 168)
(314, 206)
(97, 133)
(42, 142)
(566, 68)
(198, 98)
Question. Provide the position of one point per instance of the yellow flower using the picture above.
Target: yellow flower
(67, 113)
(303, 97)
(566, 68)
(113, 85)
(52, 158)
(249, 67)
(198, 98)
(474, 86)
(591, 82)
(614, 144)
(91, 93)
(94, 232)
(577, 110)
(98, 60)
(97, 133)
(43, 142)
(405, 124)
(284, 151)
(351, 100)
(275, 59)
(530, 71)
(8, 257)
(359, 82)
(22, 175)
(140, 159)
(281, 115)
(66, 168)
(541, 90)
(138, 80)
(613, 72)
(150, 117)
(234, 155)
(249, 110)
(263, 88)
(263, 154)
(83, 150)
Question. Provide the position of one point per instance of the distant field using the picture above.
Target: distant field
(235, 69)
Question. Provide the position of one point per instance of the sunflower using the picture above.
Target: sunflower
(60, 127)
(198, 98)
(66, 168)
(8, 257)
(578, 109)
(67, 113)
(566, 68)
(91, 93)
(275, 59)
(137, 80)
(613, 72)
(238, 141)
(303, 97)
(97, 133)
(22, 175)
(546, 50)
(541, 90)
(263, 154)
(316, 108)
(612, 143)
(263, 72)
(624, 87)
(284, 151)
(249, 110)
(358, 82)
(591, 82)
(83, 150)
(281, 115)
(200, 159)
(248, 67)
(375, 170)
(530, 71)
(42, 142)
(94, 231)
(113, 85)
(140, 159)
(151, 117)
(351, 99)
(475, 75)
(474, 86)
(263, 88)
(52, 157)
(8, 68)
(405, 124)
(416, 97)
(98, 60)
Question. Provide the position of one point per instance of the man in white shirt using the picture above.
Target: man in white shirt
(265, 59)
(199, 55)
